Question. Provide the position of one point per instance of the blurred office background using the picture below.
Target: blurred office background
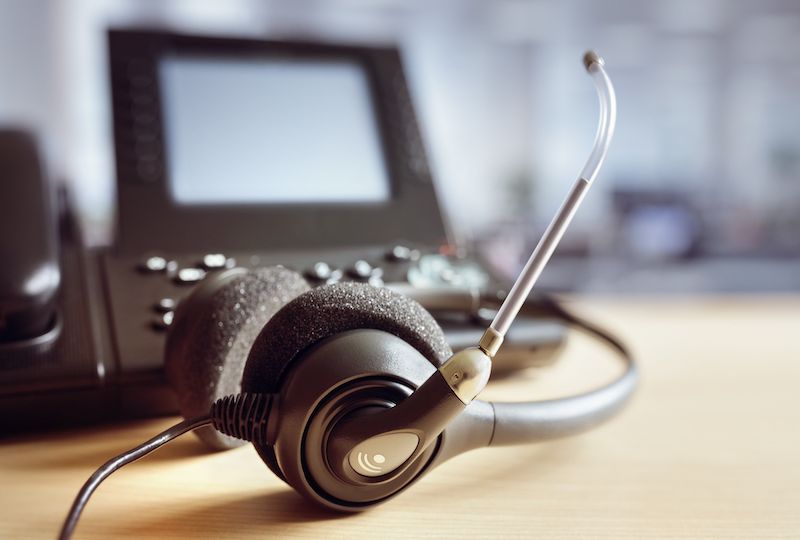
(701, 191)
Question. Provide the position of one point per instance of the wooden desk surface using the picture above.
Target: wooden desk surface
(710, 447)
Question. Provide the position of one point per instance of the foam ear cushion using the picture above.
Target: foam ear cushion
(330, 310)
(213, 331)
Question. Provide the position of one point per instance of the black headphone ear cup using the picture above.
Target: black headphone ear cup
(211, 335)
(327, 311)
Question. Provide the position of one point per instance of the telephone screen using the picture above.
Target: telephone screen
(270, 130)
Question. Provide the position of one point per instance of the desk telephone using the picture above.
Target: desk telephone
(229, 153)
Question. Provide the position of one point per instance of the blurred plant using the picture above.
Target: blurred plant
(520, 195)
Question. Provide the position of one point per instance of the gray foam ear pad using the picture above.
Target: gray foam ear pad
(330, 310)
(213, 331)
(333, 309)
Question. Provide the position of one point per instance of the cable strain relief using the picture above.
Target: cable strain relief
(243, 416)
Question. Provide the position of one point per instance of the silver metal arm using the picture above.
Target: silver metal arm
(494, 335)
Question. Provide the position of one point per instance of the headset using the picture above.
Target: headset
(349, 392)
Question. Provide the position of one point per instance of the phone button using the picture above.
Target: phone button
(189, 275)
(215, 261)
(164, 322)
(361, 269)
(321, 271)
(402, 253)
(154, 264)
(166, 305)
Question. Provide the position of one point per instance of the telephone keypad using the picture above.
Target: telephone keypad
(397, 264)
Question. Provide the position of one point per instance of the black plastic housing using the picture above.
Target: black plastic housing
(361, 369)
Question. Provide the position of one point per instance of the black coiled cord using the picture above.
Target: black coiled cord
(243, 416)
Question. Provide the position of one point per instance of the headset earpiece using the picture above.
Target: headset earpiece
(212, 333)
(352, 332)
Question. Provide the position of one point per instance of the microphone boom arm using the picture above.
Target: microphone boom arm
(493, 337)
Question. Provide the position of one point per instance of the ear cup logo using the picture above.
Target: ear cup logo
(383, 454)
(372, 465)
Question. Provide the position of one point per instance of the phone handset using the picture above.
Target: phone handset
(29, 271)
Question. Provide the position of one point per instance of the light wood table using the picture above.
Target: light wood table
(710, 447)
